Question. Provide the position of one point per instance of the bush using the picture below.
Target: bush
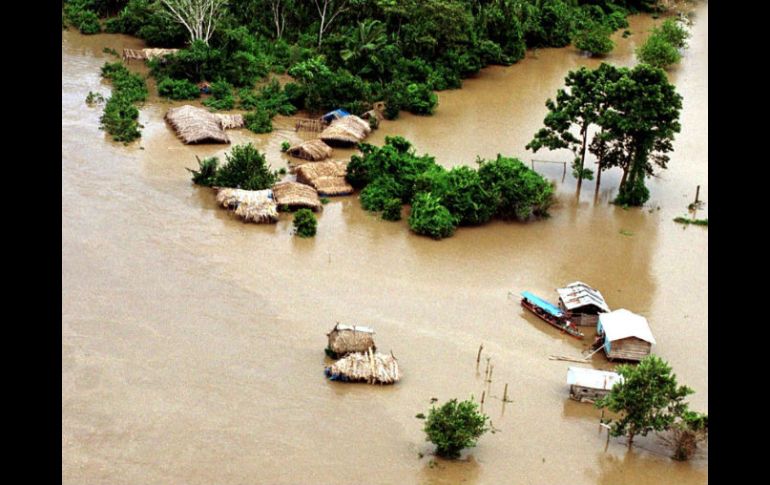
(178, 89)
(595, 40)
(455, 426)
(285, 146)
(375, 195)
(221, 96)
(258, 121)
(465, 196)
(658, 52)
(430, 218)
(305, 223)
(391, 210)
(246, 169)
(119, 119)
(674, 33)
(130, 85)
(633, 194)
(82, 17)
(519, 192)
(207, 175)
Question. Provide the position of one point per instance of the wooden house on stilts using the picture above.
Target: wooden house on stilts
(627, 336)
(582, 303)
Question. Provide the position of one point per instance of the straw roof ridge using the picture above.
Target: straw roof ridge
(255, 206)
(346, 131)
(314, 150)
(328, 178)
(230, 121)
(370, 367)
(344, 340)
(294, 194)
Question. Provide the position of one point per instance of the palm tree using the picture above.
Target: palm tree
(369, 39)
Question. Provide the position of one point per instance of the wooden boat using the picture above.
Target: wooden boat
(550, 313)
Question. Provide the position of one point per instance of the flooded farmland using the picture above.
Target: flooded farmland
(192, 343)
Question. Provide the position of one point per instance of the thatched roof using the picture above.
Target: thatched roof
(368, 366)
(328, 178)
(251, 205)
(346, 131)
(344, 339)
(314, 150)
(230, 121)
(196, 125)
(294, 194)
(129, 54)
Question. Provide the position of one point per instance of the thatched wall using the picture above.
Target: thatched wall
(346, 131)
(294, 194)
(196, 125)
(328, 178)
(344, 340)
(255, 206)
(313, 150)
(370, 367)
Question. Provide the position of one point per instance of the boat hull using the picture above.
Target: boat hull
(559, 323)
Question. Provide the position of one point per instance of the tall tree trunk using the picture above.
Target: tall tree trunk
(582, 156)
(598, 176)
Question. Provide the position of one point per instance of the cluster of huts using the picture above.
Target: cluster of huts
(357, 357)
(316, 176)
(622, 334)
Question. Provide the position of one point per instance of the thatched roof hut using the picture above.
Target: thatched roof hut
(149, 53)
(328, 178)
(255, 206)
(346, 339)
(196, 125)
(313, 150)
(370, 367)
(346, 131)
(294, 194)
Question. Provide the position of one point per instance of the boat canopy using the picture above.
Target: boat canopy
(542, 304)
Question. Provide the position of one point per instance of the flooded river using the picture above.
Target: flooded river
(192, 344)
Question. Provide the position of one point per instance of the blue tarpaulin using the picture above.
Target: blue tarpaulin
(542, 304)
(333, 115)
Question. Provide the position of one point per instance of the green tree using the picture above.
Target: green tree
(648, 399)
(690, 429)
(430, 218)
(519, 192)
(246, 169)
(673, 31)
(454, 426)
(580, 107)
(595, 40)
(639, 125)
(305, 223)
(362, 51)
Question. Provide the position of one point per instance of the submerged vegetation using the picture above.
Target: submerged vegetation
(662, 48)
(695, 222)
(352, 53)
(120, 117)
(246, 169)
(455, 426)
(305, 223)
(441, 199)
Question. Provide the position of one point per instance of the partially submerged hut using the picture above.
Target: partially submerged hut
(196, 125)
(296, 195)
(626, 335)
(370, 367)
(328, 178)
(588, 385)
(582, 303)
(251, 205)
(346, 339)
(334, 115)
(346, 131)
(313, 150)
(230, 121)
(144, 54)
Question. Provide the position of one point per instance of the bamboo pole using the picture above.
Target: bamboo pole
(478, 356)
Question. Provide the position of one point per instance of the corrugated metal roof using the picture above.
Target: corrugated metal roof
(595, 379)
(579, 294)
(622, 324)
(355, 327)
(555, 311)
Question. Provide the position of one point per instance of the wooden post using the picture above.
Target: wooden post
(478, 356)
(490, 373)
(483, 395)
(505, 393)
(697, 194)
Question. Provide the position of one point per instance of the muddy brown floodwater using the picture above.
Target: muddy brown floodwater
(192, 344)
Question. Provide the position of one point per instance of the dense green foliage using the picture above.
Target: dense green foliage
(695, 222)
(120, 116)
(246, 169)
(207, 175)
(81, 15)
(648, 399)
(285, 145)
(454, 426)
(178, 89)
(366, 50)
(637, 113)
(305, 223)
(662, 47)
(443, 199)
(689, 429)
(430, 218)
(391, 209)
(258, 121)
(221, 96)
(595, 40)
